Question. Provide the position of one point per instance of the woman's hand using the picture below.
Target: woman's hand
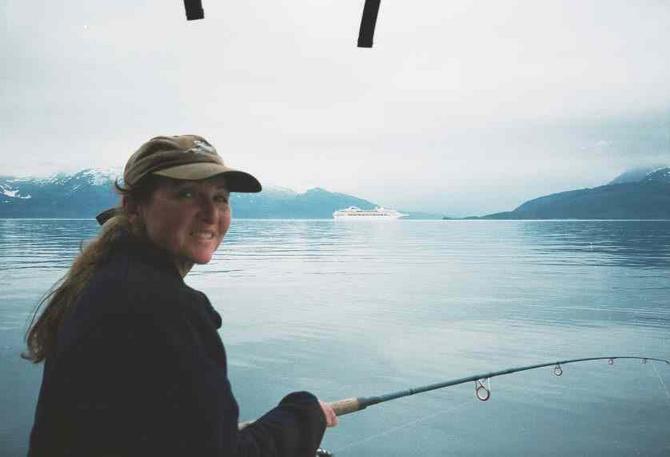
(329, 413)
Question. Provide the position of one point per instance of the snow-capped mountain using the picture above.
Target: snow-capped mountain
(9, 189)
(655, 173)
(63, 195)
(635, 194)
(661, 174)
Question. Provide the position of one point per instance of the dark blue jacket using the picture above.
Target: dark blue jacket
(140, 370)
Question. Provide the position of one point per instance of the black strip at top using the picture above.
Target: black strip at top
(194, 10)
(368, 22)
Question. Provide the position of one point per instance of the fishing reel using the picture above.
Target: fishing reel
(323, 453)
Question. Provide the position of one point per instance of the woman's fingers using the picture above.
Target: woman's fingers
(329, 413)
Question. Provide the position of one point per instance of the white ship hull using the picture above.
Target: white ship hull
(367, 218)
(356, 214)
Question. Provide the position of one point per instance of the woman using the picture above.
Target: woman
(133, 361)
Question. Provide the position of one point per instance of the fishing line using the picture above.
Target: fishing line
(660, 379)
(399, 427)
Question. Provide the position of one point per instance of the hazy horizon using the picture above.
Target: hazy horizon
(117, 173)
(460, 108)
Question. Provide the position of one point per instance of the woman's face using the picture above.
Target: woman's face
(187, 218)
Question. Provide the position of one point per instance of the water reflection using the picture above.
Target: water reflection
(626, 243)
(42, 243)
(358, 309)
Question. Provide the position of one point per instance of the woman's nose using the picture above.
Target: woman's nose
(207, 209)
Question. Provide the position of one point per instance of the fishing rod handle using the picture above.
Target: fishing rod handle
(341, 407)
(346, 406)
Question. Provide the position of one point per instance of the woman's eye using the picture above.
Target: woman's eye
(185, 194)
(221, 199)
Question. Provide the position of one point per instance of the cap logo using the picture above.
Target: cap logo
(202, 147)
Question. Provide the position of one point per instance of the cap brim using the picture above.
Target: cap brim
(236, 180)
(107, 215)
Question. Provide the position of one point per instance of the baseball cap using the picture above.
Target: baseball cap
(187, 157)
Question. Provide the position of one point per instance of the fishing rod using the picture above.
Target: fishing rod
(482, 392)
(482, 384)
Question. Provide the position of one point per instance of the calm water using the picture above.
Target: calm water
(359, 309)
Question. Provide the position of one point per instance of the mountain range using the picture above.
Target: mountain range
(636, 194)
(87, 192)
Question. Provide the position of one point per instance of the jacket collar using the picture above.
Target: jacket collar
(148, 252)
(159, 258)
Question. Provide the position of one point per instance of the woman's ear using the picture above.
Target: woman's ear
(131, 208)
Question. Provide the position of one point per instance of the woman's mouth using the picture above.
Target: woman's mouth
(203, 235)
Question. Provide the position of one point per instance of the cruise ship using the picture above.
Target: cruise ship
(354, 212)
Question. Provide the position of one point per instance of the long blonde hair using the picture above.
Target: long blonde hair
(42, 334)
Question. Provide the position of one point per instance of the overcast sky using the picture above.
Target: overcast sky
(461, 107)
